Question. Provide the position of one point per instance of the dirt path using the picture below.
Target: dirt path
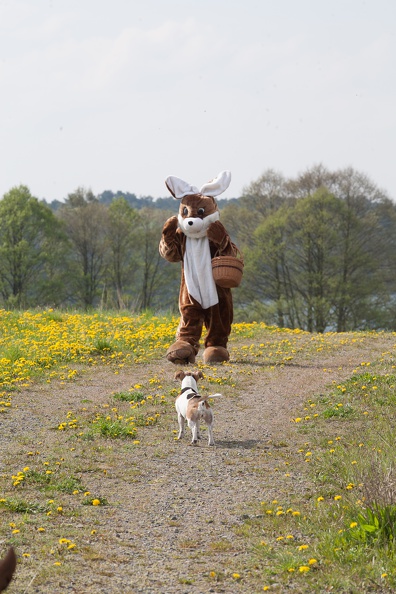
(174, 510)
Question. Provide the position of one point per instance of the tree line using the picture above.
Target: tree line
(319, 251)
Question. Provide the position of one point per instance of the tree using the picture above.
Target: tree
(85, 220)
(122, 245)
(322, 260)
(266, 272)
(30, 238)
(313, 226)
(156, 279)
(259, 200)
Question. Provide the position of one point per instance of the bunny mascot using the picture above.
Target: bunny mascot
(193, 238)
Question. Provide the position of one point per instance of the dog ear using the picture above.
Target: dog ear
(197, 375)
(180, 375)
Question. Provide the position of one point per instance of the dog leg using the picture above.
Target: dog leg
(210, 432)
(181, 421)
(194, 429)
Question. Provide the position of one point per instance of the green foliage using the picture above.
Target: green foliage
(31, 242)
(129, 396)
(111, 428)
(20, 506)
(102, 345)
(338, 411)
(319, 251)
(377, 525)
(316, 251)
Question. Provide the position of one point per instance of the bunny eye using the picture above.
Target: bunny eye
(201, 211)
(185, 211)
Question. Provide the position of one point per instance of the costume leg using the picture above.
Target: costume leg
(218, 320)
(186, 347)
(191, 322)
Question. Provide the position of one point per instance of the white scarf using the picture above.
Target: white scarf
(198, 271)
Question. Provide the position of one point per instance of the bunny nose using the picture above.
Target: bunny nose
(192, 226)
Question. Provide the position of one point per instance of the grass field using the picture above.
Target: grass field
(340, 535)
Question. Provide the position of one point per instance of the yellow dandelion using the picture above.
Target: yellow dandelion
(96, 502)
(303, 569)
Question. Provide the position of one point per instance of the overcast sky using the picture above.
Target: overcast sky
(119, 94)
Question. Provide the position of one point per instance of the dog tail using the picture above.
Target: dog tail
(207, 396)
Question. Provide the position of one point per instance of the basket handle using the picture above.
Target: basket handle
(235, 250)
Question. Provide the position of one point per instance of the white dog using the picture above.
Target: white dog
(192, 407)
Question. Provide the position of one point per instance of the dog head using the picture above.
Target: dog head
(198, 208)
(189, 379)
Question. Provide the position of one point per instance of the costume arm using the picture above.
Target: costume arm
(218, 235)
(170, 244)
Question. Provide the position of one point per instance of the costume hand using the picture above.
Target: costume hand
(170, 226)
(217, 233)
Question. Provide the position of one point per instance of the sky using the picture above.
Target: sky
(119, 94)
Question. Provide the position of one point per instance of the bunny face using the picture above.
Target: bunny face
(198, 208)
(196, 213)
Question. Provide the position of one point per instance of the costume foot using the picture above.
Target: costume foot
(181, 353)
(215, 354)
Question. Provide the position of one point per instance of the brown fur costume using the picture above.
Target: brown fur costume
(198, 210)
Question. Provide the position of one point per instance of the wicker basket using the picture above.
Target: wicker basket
(227, 271)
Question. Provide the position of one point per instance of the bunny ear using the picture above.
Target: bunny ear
(179, 188)
(218, 185)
